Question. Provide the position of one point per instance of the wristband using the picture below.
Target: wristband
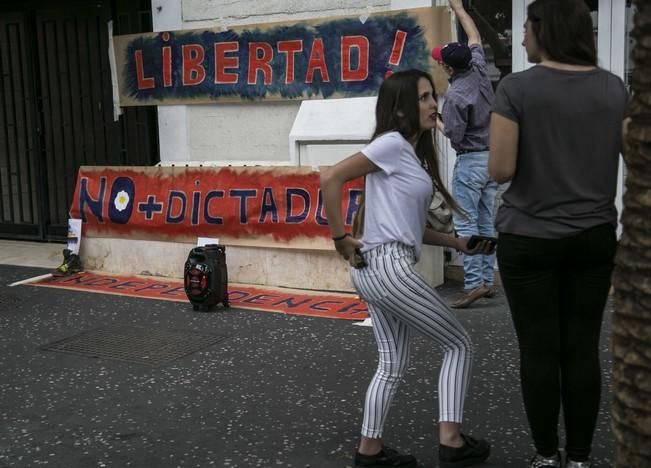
(342, 237)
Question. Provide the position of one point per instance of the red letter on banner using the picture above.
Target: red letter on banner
(398, 47)
(361, 44)
(167, 66)
(317, 62)
(143, 83)
(260, 63)
(222, 62)
(193, 71)
(290, 48)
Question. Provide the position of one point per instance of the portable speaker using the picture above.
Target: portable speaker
(205, 277)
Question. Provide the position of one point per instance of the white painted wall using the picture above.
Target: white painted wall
(329, 130)
(321, 270)
(240, 133)
(260, 133)
(231, 13)
(247, 133)
(401, 4)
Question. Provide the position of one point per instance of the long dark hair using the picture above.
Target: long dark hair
(563, 30)
(397, 110)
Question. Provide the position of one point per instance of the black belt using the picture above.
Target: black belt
(482, 150)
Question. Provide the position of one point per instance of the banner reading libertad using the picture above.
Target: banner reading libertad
(319, 58)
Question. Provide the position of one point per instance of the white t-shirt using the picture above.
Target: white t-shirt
(397, 196)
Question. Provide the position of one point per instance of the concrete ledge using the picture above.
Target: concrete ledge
(314, 269)
(32, 254)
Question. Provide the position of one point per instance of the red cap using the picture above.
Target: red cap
(436, 54)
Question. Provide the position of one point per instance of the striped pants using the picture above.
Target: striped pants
(400, 302)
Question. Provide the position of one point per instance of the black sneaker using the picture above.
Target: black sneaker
(545, 462)
(575, 464)
(71, 264)
(386, 457)
(473, 452)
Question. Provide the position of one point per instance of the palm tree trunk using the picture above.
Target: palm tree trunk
(631, 408)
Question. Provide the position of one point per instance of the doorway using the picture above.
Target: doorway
(56, 108)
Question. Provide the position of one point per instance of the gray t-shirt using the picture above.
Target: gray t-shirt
(570, 126)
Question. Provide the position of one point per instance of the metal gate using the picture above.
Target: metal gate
(56, 112)
(19, 172)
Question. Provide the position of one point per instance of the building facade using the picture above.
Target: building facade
(57, 115)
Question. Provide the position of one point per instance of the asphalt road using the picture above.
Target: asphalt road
(278, 391)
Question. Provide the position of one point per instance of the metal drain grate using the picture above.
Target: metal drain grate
(134, 344)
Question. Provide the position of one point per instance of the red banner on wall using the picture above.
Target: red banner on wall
(280, 206)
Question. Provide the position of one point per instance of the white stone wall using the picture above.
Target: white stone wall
(246, 133)
(231, 13)
(320, 270)
(236, 133)
(316, 269)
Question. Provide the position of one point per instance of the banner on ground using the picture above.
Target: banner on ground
(311, 59)
(251, 206)
(240, 296)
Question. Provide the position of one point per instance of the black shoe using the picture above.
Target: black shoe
(386, 457)
(71, 264)
(473, 452)
(545, 462)
(575, 464)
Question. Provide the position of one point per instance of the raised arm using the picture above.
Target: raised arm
(466, 21)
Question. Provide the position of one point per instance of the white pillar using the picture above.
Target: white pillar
(518, 51)
(167, 15)
(618, 37)
(618, 51)
(611, 51)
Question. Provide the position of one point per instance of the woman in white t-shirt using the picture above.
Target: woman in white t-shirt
(401, 169)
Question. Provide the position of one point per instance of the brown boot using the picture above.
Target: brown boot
(470, 297)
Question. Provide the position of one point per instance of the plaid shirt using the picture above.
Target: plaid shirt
(467, 105)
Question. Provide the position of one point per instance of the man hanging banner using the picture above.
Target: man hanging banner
(254, 206)
(319, 58)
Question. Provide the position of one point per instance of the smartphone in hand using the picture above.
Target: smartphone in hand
(474, 240)
(358, 259)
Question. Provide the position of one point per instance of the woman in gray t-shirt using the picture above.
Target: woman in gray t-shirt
(556, 135)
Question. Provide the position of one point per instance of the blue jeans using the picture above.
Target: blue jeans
(475, 191)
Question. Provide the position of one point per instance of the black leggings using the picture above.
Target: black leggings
(557, 290)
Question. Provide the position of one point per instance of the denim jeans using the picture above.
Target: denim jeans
(475, 191)
(557, 291)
